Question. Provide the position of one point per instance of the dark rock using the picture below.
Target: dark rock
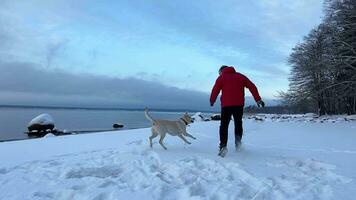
(41, 127)
(216, 117)
(117, 125)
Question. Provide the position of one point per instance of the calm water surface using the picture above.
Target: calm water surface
(13, 121)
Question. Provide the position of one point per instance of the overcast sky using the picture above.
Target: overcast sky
(144, 52)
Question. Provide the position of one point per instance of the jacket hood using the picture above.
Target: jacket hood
(229, 70)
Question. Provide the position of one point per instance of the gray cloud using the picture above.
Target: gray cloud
(23, 83)
(26, 84)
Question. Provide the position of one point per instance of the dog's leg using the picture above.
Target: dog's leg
(185, 133)
(154, 134)
(161, 141)
(185, 140)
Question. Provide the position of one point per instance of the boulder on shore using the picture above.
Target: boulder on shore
(215, 117)
(117, 125)
(350, 117)
(41, 123)
(199, 117)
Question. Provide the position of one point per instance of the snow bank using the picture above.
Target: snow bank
(278, 161)
(48, 135)
(113, 174)
(308, 117)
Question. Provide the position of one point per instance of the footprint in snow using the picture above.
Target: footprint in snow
(97, 172)
(136, 142)
(3, 171)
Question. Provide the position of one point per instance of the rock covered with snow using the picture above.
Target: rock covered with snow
(199, 117)
(42, 122)
(259, 118)
(42, 119)
(215, 117)
(310, 115)
(351, 117)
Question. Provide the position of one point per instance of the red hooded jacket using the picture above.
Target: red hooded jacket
(232, 85)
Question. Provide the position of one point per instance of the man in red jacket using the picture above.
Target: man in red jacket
(232, 86)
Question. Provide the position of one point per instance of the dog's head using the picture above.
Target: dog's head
(187, 118)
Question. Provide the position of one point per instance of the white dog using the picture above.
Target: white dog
(174, 128)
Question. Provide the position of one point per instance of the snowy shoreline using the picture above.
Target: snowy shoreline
(278, 161)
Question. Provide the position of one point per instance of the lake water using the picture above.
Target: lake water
(14, 121)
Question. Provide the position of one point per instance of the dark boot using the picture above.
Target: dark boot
(238, 144)
(222, 151)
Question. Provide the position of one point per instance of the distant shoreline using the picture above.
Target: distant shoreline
(99, 108)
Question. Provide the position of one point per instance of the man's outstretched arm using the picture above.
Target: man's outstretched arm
(253, 89)
(215, 91)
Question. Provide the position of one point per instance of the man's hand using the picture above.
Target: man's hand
(211, 104)
(260, 103)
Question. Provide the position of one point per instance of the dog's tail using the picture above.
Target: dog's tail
(148, 116)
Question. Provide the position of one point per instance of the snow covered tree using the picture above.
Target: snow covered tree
(323, 75)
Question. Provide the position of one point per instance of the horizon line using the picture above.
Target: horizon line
(102, 108)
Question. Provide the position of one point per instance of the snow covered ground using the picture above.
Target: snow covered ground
(280, 159)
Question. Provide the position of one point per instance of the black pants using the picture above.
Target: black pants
(226, 113)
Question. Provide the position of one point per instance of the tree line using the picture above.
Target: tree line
(323, 65)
